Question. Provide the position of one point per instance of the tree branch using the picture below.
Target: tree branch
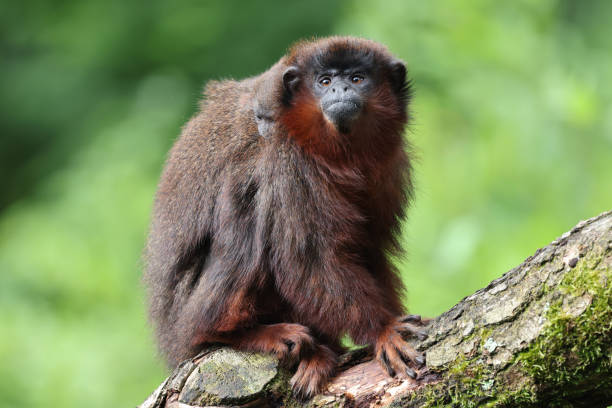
(540, 334)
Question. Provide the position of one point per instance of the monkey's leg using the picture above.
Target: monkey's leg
(289, 342)
(394, 354)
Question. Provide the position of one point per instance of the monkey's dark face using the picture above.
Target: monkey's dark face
(341, 95)
(341, 90)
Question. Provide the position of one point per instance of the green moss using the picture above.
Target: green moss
(575, 352)
(467, 383)
(279, 390)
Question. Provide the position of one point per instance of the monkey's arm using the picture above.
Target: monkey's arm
(391, 191)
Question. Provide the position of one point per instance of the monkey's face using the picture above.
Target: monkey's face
(341, 95)
(340, 92)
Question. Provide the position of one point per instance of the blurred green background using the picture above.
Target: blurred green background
(512, 127)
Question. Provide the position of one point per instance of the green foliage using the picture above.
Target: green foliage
(511, 126)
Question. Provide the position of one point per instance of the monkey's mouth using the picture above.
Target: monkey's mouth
(342, 113)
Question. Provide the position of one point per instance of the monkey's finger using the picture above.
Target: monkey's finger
(386, 364)
(410, 318)
(409, 356)
(299, 383)
(400, 363)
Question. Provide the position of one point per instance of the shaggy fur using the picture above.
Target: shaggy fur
(280, 243)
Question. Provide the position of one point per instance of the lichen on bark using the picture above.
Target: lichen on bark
(543, 331)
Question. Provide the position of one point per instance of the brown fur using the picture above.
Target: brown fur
(280, 243)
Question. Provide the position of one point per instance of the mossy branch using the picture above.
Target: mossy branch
(541, 335)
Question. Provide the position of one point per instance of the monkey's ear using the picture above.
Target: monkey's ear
(291, 80)
(398, 75)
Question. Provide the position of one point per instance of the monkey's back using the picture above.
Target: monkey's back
(221, 140)
(189, 279)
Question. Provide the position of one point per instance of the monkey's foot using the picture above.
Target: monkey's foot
(394, 354)
(313, 372)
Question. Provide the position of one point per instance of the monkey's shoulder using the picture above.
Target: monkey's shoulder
(229, 102)
(222, 90)
(220, 137)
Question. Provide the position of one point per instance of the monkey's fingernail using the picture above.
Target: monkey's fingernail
(421, 335)
(420, 360)
(411, 318)
(411, 373)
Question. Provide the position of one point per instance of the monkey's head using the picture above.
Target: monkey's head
(340, 92)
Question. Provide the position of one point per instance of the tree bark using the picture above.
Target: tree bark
(540, 335)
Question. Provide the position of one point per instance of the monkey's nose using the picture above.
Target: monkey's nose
(345, 89)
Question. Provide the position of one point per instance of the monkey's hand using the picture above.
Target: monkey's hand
(393, 353)
(287, 341)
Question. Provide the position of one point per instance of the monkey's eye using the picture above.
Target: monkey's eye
(357, 79)
(325, 81)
